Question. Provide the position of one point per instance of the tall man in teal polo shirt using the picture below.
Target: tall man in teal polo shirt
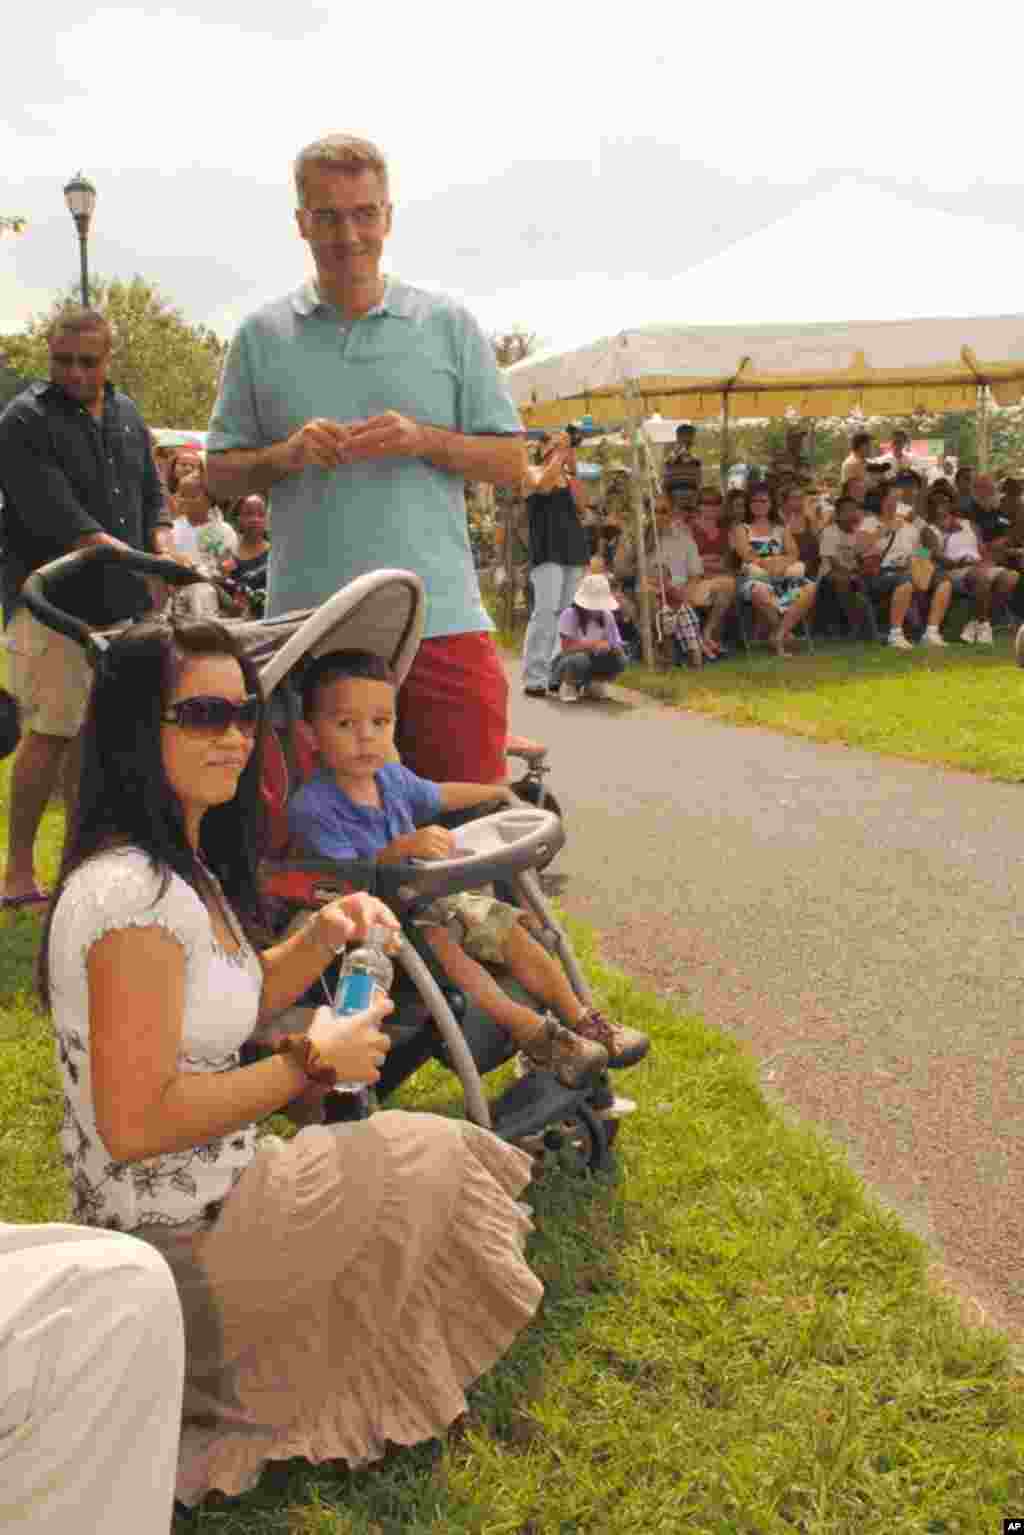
(363, 405)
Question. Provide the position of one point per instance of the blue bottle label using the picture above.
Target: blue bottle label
(355, 993)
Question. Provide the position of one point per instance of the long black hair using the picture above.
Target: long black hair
(124, 798)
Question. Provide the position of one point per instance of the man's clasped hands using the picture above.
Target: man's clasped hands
(329, 444)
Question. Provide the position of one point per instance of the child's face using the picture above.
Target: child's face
(354, 723)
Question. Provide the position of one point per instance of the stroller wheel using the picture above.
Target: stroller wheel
(578, 1144)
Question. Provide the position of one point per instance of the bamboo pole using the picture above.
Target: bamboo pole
(723, 450)
(982, 420)
(644, 596)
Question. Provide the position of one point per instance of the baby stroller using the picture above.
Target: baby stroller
(383, 612)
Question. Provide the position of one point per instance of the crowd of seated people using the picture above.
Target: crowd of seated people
(878, 550)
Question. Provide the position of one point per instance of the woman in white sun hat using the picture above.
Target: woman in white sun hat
(592, 650)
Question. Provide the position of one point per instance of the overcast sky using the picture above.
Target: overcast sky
(558, 167)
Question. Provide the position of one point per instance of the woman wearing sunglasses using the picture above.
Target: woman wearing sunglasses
(339, 1289)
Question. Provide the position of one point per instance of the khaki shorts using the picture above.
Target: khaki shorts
(49, 675)
(481, 923)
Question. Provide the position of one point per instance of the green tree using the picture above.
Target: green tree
(168, 367)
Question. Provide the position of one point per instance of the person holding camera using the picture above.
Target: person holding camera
(559, 552)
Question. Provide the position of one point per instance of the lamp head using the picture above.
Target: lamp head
(80, 196)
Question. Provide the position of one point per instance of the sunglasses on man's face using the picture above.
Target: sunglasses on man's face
(82, 359)
(213, 716)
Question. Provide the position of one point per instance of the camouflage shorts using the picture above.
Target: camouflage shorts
(479, 923)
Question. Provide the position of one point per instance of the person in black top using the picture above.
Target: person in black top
(558, 557)
(249, 565)
(76, 469)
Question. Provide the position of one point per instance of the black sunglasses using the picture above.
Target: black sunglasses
(213, 716)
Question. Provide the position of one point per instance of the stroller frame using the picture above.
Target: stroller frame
(382, 611)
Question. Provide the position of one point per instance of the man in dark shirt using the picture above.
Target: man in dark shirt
(76, 469)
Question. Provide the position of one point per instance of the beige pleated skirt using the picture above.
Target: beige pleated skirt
(358, 1278)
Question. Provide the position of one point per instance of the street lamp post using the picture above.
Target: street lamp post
(80, 196)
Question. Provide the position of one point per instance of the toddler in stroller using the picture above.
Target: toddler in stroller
(382, 612)
(365, 805)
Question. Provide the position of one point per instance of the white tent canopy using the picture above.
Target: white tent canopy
(716, 351)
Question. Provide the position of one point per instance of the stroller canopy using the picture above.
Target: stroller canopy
(382, 612)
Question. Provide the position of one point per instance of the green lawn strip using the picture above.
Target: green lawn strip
(734, 1338)
(960, 708)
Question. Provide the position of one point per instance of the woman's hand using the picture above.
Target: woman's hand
(355, 1046)
(350, 918)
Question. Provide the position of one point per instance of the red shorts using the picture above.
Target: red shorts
(453, 711)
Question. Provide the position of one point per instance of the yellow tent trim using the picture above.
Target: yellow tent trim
(873, 392)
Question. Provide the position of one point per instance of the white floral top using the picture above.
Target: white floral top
(118, 889)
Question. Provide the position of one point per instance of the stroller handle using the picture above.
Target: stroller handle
(42, 588)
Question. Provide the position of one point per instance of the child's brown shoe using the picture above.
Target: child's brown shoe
(571, 1057)
(624, 1046)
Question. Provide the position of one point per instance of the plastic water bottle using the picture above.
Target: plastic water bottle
(365, 971)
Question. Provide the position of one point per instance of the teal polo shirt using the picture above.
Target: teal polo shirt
(418, 353)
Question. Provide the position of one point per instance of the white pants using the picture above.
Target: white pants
(92, 1366)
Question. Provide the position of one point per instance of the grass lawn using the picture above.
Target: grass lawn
(734, 1338)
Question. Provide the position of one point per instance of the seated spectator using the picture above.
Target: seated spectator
(802, 522)
(887, 564)
(972, 573)
(684, 583)
(306, 1268)
(592, 650)
(716, 587)
(772, 575)
(840, 550)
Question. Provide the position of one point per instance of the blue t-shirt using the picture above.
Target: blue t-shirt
(418, 353)
(329, 825)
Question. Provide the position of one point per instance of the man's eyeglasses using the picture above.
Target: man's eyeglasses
(330, 220)
(84, 360)
(213, 716)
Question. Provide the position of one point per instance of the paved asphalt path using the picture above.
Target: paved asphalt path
(854, 920)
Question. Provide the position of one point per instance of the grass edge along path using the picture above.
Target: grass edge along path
(960, 708)
(734, 1336)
